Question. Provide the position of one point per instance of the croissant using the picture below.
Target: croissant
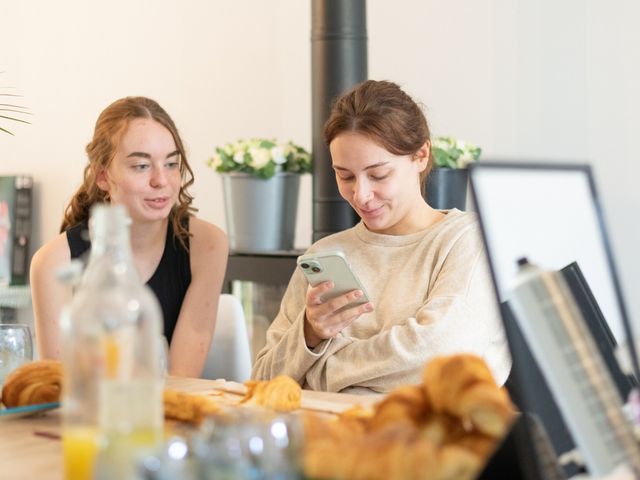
(457, 463)
(282, 393)
(444, 429)
(406, 404)
(186, 407)
(463, 386)
(32, 383)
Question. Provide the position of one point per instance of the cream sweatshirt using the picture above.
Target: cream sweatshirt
(432, 295)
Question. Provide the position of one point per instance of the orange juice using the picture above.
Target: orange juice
(79, 449)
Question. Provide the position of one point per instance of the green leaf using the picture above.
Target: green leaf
(14, 119)
(268, 171)
(440, 157)
(268, 144)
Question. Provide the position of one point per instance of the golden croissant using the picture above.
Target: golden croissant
(32, 383)
(463, 386)
(444, 429)
(282, 393)
(187, 407)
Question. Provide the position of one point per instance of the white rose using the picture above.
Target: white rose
(238, 157)
(277, 153)
(260, 157)
(216, 161)
(465, 159)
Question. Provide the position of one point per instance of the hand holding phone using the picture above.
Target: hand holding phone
(332, 266)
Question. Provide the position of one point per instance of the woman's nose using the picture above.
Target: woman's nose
(158, 177)
(362, 191)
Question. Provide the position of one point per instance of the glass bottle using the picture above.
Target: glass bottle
(112, 396)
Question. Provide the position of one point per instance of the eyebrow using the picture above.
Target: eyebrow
(146, 155)
(369, 167)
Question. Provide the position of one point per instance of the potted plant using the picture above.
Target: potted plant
(8, 111)
(261, 181)
(446, 184)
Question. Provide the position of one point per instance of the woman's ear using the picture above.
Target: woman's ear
(421, 157)
(102, 180)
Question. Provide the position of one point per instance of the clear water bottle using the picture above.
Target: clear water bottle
(112, 396)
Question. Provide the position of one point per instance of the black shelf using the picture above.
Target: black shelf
(269, 268)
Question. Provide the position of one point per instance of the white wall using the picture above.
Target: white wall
(525, 80)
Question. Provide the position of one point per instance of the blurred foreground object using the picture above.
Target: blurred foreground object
(444, 429)
(112, 403)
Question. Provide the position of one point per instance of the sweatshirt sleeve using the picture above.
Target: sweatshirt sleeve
(286, 352)
(459, 314)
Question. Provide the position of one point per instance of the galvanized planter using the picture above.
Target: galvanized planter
(260, 214)
(446, 188)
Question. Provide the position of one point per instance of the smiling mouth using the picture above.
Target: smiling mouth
(160, 202)
(370, 210)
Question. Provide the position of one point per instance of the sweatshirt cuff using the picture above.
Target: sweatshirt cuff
(316, 351)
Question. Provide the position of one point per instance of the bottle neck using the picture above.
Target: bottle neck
(111, 242)
(116, 245)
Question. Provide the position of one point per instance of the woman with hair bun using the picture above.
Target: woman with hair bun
(424, 270)
(137, 159)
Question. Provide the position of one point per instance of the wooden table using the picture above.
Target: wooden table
(30, 448)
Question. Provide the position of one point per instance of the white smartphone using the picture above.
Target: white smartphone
(324, 266)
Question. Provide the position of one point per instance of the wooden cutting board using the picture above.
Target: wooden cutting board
(313, 401)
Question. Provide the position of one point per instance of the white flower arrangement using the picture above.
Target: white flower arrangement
(449, 152)
(261, 157)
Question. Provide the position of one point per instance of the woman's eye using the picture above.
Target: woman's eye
(379, 177)
(173, 165)
(140, 167)
(344, 178)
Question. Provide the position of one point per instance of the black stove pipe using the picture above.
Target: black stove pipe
(338, 62)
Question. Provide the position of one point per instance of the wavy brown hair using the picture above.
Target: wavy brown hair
(110, 127)
(382, 111)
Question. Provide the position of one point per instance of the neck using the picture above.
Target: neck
(425, 217)
(145, 235)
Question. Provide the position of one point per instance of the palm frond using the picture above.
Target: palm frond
(12, 109)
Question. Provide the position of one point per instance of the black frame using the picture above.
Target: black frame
(526, 381)
(599, 328)
(586, 169)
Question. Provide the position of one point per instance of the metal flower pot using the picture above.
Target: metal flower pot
(260, 214)
(446, 188)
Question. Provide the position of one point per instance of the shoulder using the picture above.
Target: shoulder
(207, 240)
(459, 226)
(52, 254)
(339, 240)
(205, 232)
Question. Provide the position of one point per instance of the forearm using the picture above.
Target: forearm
(286, 352)
(188, 352)
(397, 356)
(48, 303)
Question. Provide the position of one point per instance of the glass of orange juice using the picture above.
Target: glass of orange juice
(79, 449)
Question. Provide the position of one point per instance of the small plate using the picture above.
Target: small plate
(17, 412)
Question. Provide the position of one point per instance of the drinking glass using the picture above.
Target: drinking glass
(16, 348)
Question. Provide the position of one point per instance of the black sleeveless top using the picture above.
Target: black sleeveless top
(170, 280)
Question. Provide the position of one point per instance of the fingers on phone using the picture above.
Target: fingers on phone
(344, 300)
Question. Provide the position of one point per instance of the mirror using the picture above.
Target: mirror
(551, 215)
